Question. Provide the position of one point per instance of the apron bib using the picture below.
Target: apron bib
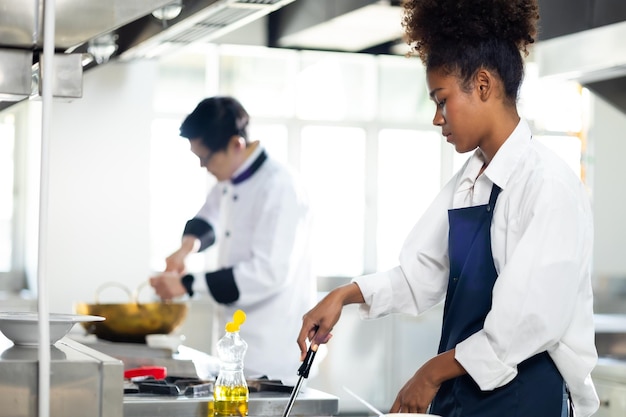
(537, 389)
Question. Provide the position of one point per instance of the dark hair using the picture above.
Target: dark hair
(215, 120)
(463, 36)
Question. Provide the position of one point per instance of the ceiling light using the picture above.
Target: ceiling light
(102, 47)
(169, 11)
(351, 32)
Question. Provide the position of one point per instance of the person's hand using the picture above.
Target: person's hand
(167, 285)
(320, 320)
(176, 262)
(417, 394)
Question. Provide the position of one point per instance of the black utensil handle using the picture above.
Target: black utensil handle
(304, 369)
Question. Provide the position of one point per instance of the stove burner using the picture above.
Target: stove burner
(171, 386)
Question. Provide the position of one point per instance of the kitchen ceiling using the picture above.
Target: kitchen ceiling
(365, 26)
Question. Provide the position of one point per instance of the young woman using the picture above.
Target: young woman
(507, 243)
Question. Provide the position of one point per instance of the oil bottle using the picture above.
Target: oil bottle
(230, 395)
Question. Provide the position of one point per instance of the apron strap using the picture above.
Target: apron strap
(570, 403)
(495, 191)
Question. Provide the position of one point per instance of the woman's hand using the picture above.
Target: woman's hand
(320, 320)
(417, 394)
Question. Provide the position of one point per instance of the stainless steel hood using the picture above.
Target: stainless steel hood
(77, 21)
(137, 33)
(596, 58)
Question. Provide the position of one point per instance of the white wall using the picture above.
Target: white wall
(99, 185)
(608, 137)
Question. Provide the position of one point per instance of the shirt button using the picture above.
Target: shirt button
(235, 197)
(224, 191)
(227, 234)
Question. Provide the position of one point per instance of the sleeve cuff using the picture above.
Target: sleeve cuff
(202, 230)
(222, 286)
(187, 282)
(477, 357)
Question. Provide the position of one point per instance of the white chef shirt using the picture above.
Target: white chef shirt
(541, 241)
(263, 226)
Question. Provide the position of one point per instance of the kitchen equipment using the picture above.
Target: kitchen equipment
(22, 327)
(83, 382)
(132, 322)
(365, 403)
(311, 403)
(171, 386)
(303, 373)
(381, 414)
(156, 372)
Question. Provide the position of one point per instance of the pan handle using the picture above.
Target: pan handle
(132, 296)
(112, 284)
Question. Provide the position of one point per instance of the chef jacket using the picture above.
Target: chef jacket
(261, 219)
(541, 241)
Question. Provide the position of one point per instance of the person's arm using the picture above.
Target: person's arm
(419, 391)
(176, 261)
(320, 320)
(197, 235)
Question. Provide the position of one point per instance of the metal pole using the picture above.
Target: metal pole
(42, 288)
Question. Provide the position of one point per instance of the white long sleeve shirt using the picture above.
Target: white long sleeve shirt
(263, 227)
(541, 241)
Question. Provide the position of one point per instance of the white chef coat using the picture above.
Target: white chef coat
(541, 241)
(263, 228)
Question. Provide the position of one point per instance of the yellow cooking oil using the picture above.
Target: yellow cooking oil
(230, 401)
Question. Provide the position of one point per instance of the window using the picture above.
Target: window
(334, 86)
(178, 187)
(333, 167)
(408, 181)
(357, 127)
(7, 140)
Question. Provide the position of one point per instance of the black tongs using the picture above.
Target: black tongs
(303, 372)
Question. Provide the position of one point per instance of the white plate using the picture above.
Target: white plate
(22, 327)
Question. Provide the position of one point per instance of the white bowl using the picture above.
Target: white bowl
(22, 328)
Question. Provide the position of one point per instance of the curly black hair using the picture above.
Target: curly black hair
(463, 36)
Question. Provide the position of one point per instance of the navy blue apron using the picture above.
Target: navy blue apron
(537, 390)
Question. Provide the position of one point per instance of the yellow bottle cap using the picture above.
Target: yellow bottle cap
(238, 318)
(232, 327)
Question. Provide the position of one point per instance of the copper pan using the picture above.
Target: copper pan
(132, 321)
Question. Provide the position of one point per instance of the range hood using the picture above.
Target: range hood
(76, 22)
(596, 58)
(200, 21)
(138, 34)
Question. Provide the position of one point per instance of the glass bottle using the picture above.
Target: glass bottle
(230, 395)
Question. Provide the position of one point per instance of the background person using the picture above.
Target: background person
(507, 242)
(259, 214)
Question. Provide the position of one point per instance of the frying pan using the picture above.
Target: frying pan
(133, 321)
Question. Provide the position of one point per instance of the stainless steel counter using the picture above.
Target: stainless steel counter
(81, 379)
(188, 362)
(310, 402)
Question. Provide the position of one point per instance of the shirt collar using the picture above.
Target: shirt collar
(252, 163)
(506, 159)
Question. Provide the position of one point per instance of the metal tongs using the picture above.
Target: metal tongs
(303, 372)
